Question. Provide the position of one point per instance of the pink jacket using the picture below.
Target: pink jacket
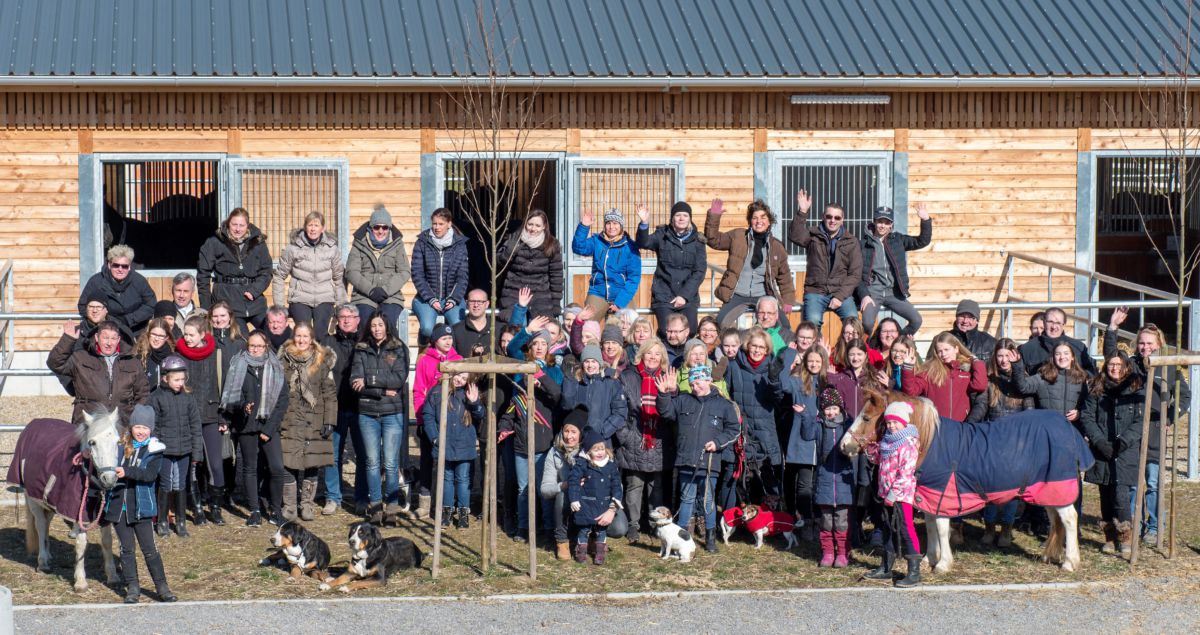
(428, 374)
(897, 473)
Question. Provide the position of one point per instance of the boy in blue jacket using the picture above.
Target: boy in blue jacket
(595, 491)
(616, 263)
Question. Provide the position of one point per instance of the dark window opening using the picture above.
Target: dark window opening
(164, 210)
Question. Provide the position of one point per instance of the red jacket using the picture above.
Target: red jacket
(953, 398)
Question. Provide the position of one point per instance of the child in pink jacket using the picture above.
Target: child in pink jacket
(896, 456)
(440, 350)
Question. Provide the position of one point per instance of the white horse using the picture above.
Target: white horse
(99, 438)
(1062, 544)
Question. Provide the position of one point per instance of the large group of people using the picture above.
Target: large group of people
(254, 404)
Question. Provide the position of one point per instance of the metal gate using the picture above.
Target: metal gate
(279, 193)
(603, 184)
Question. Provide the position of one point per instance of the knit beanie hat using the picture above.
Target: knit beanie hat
(541, 335)
(577, 417)
(900, 411)
(614, 216)
(591, 436)
(164, 308)
(142, 415)
(700, 373)
(681, 207)
(440, 331)
(591, 328)
(612, 333)
(831, 397)
(591, 351)
(380, 216)
(969, 307)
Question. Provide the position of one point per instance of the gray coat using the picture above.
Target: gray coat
(368, 268)
(316, 271)
(1062, 396)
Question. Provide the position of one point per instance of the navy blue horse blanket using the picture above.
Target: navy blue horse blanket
(42, 464)
(1035, 455)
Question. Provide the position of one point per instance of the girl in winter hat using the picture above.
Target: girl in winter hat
(177, 421)
(834, 478)
(595, 491)
(896, 456)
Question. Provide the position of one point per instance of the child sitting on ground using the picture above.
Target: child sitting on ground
(896, 456)
(834, 486)
(595, 491)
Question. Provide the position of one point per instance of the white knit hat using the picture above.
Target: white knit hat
(900, 411)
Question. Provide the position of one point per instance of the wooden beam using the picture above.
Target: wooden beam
(573, 142)
(233, 141)
(901, 140)
(87, 143)
(428, 140)
(760, 139)
(1083, 139)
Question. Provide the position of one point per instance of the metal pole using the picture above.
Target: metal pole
(531, 487)
(1008, 317)
(1152, 371)
(6, 611)
(441, 476)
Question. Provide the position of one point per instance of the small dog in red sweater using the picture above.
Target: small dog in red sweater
(760, 522)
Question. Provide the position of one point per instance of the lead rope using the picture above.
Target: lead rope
(78, 461)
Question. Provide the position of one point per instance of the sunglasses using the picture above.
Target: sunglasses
(832, 217)
(380, 227)
(117, 265)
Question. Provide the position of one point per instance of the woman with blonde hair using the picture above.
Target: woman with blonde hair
(640, 331)
(642, 442)
(313, 260)
(949, 377)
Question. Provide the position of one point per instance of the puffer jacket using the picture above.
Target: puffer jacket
(316, 271)
(835, 274)
(1165, 393)
(835, 476)
(1112, 423)
(1009, 400)
(304, 445)
(631, 450)
(177, 423)
(699, 420)
(556, 468)
(94, 390)
(801, 449)
(440, 274)
(979, 343)
(343, 345)
(367, 268)
(134, 495)
(595, 487)
(896, 246)
(427, 373)
(226, 271)
(682, 263)
(381, 368)
(1062, 396)
(461, 418)
(616, 265)
(202, 379)
(778, 276)
(130, 301)
(528, 267)
(757, 392)
(952, 398)
(608, 408)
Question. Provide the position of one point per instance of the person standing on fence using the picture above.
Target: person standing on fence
(757, 265)
(378, 268)
(531, 258)
(616, 263)
(884, 283)
(439, 270)
(314, 262)
(235, 266)
(835, 262)
(125, 292)
(104, 377)
(682, 261)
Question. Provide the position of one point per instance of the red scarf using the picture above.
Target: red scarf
(649, 418)
(207, 345)
(754, 364)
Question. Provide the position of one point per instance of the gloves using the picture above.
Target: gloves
(1103, 448)
(377, 295)
(326, 430)
(775, 369)
(576, 506)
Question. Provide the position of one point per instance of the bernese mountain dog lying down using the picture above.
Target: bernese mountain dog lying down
(373, 558)
(299, 550)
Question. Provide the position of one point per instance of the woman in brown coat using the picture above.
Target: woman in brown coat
(757, 266)
(310, 418)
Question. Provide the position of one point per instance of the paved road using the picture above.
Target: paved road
(1136, 606)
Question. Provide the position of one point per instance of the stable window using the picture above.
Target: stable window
(279, 193)
(1140, 194)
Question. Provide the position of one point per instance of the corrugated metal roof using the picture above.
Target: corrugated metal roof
(592, 39)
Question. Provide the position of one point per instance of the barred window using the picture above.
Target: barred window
(1141, 194)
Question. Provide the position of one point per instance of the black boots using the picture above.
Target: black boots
(197, 499)
(129, 572)
(464, 517)
(884, 572)
(914, 573)
(255, 519)
(216, 498)
(181, 514)
(447, 516)
(161, 525)
(710, 540)
(154, 564)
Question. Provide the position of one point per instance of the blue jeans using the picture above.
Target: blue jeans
(816, 304)
(586, 531)
(384, 433)
(1151, 504)
(345, 431)
(458, 484)
(1007, 513)
(693, 483)
(427, 316)
(521, 463)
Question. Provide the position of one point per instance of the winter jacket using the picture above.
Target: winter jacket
(832, 269)
(1062, 396)
(529, 267)
(616, 265)
(427, 373)
(1112, 423)
(897, 473)
(1041, 349)
(778, 275)
(467, 337)
(316, 271)
(343, 345)
(226, 348)
(952, 399)
(381, 368)
(595, 487)
(514, 420)
(153, 365)
(461, 418)
(177, 423)
(94, 390)
(801, 448)
(896, 246)
(979, 343)
(757, 392)
(556, 469)
(1010, 399)
(440, 274)
(202, 381)
(368, 268)
(835, 476)
(682, 263)
(226, 271)
(849, 387)
(631, 450)
(134, 497)
(243, 423)
(699, 420)
(1165, 393)
(130, 301)
(306, 428)
(608, 408)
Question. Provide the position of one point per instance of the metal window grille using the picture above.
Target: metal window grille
(163, 209)
(1139, 194)
(856, 188)
(279, 194)
(624, 188)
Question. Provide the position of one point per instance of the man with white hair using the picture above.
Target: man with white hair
(183, 288)
(766, 311)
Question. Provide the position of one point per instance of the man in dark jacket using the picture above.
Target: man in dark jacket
(342, 341)
(125, 292)
(884, 282)
(1041, 348)
(966, 329)
(834, 261)
(471, 335)
(680, 251)
(278, 331)
(104, 376)
(235, 266)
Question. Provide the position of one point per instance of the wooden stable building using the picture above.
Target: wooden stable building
(146, 122)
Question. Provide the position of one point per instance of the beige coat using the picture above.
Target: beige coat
(317, 272)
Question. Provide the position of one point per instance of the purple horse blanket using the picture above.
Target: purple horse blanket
(42, 464)
(1035, 455)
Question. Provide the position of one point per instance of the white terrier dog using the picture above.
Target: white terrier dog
(674, 538)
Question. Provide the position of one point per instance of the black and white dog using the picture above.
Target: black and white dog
(373, 558)
(300, 550)
(675, 539)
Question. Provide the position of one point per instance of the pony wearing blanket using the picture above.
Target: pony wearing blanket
(1035, 455)
(67, 471)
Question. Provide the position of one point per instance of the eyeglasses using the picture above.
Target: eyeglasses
(832, 217)
(119, 265)
(380, 227)
(158, 336)
(676, 331)
(469, 301)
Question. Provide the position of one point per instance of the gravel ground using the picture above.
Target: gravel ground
(21, 409)
(1133, 606)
